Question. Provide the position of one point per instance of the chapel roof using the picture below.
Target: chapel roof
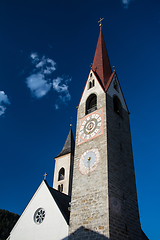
(62, 200)
(69, 145)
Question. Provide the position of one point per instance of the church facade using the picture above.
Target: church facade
(94, 191)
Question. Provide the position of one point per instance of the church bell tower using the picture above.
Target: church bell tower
(104, 199)
(63, 171)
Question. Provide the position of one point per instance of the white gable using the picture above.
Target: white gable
(53, 226)
(97, 89)
(112, 91)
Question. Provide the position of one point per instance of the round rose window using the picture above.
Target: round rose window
(39, 216)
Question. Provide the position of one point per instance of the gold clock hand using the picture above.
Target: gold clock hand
(89, 158)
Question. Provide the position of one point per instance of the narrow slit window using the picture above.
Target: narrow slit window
(90, 85)
(60, 188)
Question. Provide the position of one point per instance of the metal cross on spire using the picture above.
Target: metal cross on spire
(100, 22)
(45, 175)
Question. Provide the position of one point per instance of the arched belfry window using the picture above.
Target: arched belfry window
(117, 106)
(91, 103)
(61, 174)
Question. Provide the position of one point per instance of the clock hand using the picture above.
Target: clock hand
(89, 158)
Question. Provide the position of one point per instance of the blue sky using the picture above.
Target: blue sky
(46, 48)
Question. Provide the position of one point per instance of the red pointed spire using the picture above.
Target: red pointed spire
(101, 65)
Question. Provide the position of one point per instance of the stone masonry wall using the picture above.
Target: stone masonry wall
(104, 202)
(89, 204)
(124, 214)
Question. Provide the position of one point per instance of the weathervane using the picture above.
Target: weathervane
(45, 175)
(100, 22)
(91, 65)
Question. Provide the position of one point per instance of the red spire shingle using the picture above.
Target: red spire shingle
(101, 65)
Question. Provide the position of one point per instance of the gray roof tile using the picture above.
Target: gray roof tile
(69, 145)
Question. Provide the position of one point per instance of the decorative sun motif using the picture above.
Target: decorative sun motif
(39, 216)
(89, 161)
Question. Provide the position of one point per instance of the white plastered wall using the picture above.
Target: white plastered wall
(63, 161)
(97, 89)
(53, 226)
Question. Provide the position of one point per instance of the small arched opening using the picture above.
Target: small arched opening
(61, 174)
(91, 103)
(117, 106)
(90, 85)
(60, 188)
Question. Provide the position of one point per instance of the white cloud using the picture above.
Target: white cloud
(59, 88)
(65, 98)
(40, 64)
(126, 3)
(39, 83)
(2, 110)
(3, 101)
(60, 85)
(4, 97)
(46, 65)
(34, 55)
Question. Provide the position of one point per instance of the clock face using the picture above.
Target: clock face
(89, 161)
(90, 126)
